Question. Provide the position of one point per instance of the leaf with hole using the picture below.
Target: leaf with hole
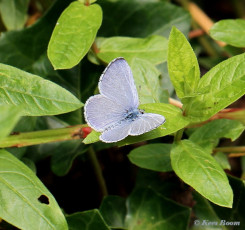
(23, 196)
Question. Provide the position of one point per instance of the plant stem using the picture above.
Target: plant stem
(178, 135)
(232, 149)
(45, 136)
(97, 171)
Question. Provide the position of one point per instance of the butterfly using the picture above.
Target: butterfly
(114, 112)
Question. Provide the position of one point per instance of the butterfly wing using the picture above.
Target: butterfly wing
(101, 112)
(116, 133)
(117, 83)
(145, 123)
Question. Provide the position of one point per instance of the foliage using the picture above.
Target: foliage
(49, 69)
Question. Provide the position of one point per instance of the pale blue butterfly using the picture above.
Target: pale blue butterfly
(114, 111)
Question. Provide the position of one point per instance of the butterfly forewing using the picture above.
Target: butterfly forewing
(117, 83)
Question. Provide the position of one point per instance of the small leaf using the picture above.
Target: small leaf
(9, 116)
(63, 156)
(113, 210)
(92, 137)
(221, 86)
(230, 31)
(146, 80)
(209, 134)
(150, 210)
(74, 34)
(20, 190)
(222, 159)
(182, 64)
(14, 13)
(201, 171)
(89, 220)
(152, 49)
(37, 97)
(152, 156)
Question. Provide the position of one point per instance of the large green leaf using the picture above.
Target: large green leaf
(182, 64)
(152, 156)
(89, 220)
(229, 31)
(25, 202)
(200, 170)
(150, 210)
(209, 134)
(147, 81)
(14, 13)
(113, 209)
(74, 34)
(9, 116)
(222, 85)
(137, 18)
(37, 96)
(152, 49)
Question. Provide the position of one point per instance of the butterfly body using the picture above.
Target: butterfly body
(114, 111)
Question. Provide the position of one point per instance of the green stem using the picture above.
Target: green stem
(42, 137)
(232, 149)
(178, 135)
(97, 171)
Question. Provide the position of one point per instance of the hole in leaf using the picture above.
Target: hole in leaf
(43, 199)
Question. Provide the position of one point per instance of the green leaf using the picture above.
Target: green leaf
(74, 34)
(92, 137)
(200, 170)
(22, 196)
(63, 156)
(89, 220)
(9, 116)
(230, 31)
(182, 64)
(221, 86)
(152, 49)
(152, 156)
(222, 159)
(209, 134)
(137, 18)
(38, 97)
(150, 210)
(113, 210)
(235, 214)
(147, 81)
(14, 13)
(204, 211)
(174, 122)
